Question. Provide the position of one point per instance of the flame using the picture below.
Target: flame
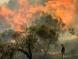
(64, 9)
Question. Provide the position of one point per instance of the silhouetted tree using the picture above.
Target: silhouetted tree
(48, 30)
(44, 32)
(28, 41)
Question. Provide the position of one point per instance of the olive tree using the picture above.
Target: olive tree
(48, 29)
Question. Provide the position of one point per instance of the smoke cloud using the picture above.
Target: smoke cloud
(12, 4)
(17, 12)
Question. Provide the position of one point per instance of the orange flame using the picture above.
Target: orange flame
(64, 9)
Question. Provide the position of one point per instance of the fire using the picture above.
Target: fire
(65, 9)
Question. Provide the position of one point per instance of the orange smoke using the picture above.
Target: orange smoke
(65, 9)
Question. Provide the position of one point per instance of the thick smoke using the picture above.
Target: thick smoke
(38, 2)
(74, 24)
(12, 4)
(3, 23)
(6, 36)
(17, 12)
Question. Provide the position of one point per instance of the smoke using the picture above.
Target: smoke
(2, 22)
(74, 24)
(18, 12)
(12, 4)
(37, 2)
(6, 36)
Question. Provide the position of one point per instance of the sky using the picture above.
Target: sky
(4, 1)
(14, 13)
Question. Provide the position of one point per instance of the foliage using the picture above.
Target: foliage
(49, 21)
(72, 31)
(45, 32)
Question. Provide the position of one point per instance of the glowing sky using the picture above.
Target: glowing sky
(14, 13)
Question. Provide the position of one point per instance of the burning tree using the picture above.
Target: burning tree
(48, 30)
(44, 33)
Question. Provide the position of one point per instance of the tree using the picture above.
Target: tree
(8, 51)
(49, 21)
(28, 41)
(47, 36)
(45, 32)
(48, 30)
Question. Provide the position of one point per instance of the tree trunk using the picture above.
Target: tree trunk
(29, 55)
(47, 49)
(12, 51)
(30, 51)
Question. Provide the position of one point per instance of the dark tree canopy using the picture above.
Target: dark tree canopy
(45, 31)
